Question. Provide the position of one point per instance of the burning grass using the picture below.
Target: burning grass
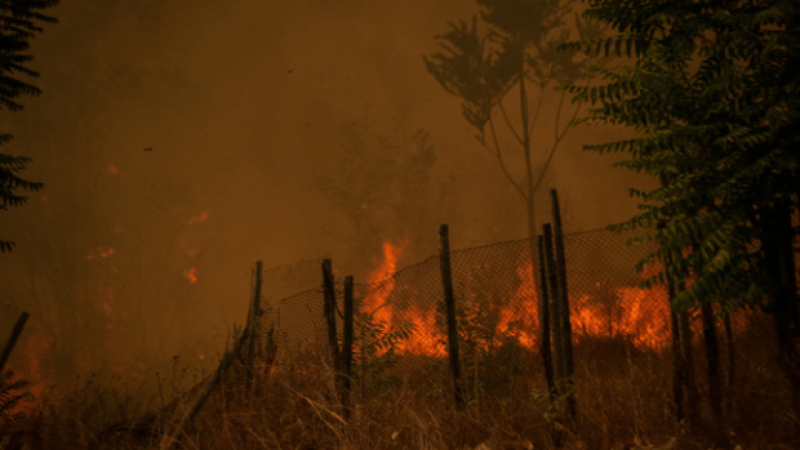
(623, 395)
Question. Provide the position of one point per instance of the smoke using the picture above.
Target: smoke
(155, 114)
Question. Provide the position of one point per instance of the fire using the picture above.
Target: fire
(375, 302)
(191, 275)
(425, 339)
(201, 218)
(113, 169)
(638, 315)
(100, 253)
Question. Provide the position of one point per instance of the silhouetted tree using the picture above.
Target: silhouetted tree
(383, 186)
(715, 91)
(19, 21)
(483, 67)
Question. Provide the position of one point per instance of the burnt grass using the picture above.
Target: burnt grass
(624, 400)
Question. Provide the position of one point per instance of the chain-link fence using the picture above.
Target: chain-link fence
(496, 293)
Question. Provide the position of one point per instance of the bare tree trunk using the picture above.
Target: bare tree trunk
(776, 242)
(711, 345)
(689, 382)
(728, 403)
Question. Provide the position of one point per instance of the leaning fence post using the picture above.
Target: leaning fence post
(12, 340)
(450, 304)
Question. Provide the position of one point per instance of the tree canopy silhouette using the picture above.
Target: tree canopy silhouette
(715, 94)
(19, 23)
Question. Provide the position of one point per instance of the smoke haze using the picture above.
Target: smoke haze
(182, 141)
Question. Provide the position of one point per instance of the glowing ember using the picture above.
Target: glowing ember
(100, 253)
(201, 218)
(191, 275)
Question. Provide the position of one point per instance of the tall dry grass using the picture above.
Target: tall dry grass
(623, 398)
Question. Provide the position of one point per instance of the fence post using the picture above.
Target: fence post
(12, 340)
(450, 304)
(545, 347)
(565, 324)
(555, 309)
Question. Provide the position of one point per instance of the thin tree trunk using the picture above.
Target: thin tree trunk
(689, 381)
(779, 262)
(728, 403)
(711, 345)
(678, 360)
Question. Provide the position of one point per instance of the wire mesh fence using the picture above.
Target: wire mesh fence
(496, 292)
(497, 296)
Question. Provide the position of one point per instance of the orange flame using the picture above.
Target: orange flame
(101, 253)
(201, 218)
(375, 302)
(638, 315)
(191, 275)
(113, 169)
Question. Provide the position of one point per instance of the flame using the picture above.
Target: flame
(638, 315)
(191, 275)
(113, 169)
(101, 253)
(201, 218)
(375, 302)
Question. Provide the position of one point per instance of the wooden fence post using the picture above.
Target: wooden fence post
(545, 346)
(450, 304)
(554, 305)
(565, 324)
(12, 340)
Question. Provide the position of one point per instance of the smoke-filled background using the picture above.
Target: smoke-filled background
(182, 141)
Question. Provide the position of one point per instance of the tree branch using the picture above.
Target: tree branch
(499, 157)
(557, 141)
(535, 117)
(508, 122)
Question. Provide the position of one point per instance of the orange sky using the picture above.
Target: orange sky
(243, 106)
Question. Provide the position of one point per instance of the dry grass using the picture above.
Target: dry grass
(624, 401)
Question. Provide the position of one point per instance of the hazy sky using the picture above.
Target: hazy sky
(243, 107)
